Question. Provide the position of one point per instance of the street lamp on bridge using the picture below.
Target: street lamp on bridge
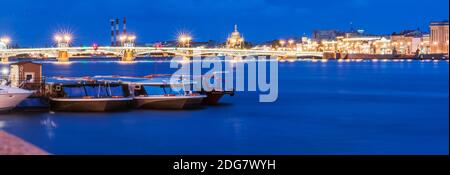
(127, 40)
(63, 40)
(4, 41)
(67, 38)
(184, 40)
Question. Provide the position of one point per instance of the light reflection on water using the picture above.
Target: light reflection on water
(332, 107)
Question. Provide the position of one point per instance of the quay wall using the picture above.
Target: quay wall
(13, 145)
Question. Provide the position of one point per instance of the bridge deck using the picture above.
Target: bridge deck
(147, 50)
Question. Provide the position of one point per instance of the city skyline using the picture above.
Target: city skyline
(258, 20)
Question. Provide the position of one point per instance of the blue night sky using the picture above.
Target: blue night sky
(33, 22)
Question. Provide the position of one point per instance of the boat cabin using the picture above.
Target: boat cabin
(88, 89)
(26, 75)
(158, 89)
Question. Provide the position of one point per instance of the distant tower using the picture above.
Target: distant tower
(113, 38)
(125, 26)
(117, 31)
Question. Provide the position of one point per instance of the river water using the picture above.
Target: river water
(357, 107)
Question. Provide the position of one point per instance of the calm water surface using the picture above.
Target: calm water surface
(323, 108)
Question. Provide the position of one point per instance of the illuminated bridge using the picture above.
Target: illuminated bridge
(62, 54)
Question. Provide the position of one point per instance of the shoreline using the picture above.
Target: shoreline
(440, 56)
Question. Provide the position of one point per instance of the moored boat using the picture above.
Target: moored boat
(10, 97)
(213, 97)
(87, 95)
(161, 95)
(160, 81)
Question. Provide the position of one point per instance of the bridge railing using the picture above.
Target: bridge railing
(176, 50)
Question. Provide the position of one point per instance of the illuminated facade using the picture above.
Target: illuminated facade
(358, 45)
(439, 37)
(425, 44)
(307, 45)
(408, 42)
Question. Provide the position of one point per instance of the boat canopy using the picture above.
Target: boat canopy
(98, 91)
(78, 81)
(155, 81)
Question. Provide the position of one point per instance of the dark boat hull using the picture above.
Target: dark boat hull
(83, 105)
(168, 102)
(213, 98)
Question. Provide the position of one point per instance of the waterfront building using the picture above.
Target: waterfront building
(358, 44)
(407, 42)
(425, 44)
(382, 46)
(325, 35)
(352, 42)
(307, 45)
(235, 40)
(439, 37)
(329, 45)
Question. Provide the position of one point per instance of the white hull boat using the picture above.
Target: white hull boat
(10, 97)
